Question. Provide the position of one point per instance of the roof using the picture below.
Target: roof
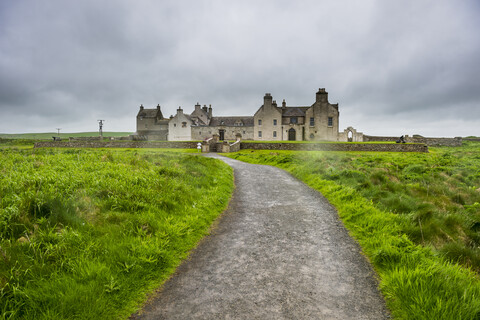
(294, 111)
(231, 121)
(148, 113)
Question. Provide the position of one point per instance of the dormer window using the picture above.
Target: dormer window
(184, 124)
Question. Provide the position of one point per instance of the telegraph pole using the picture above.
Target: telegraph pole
(100, 125)
(58, 131)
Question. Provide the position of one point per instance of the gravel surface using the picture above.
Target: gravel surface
(278, 252)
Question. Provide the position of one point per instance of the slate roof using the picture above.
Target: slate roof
(294, 111)
(197, 121)
(151, 113)
(230, 121)
(148, 113)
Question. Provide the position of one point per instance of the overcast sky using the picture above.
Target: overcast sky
(395, 67)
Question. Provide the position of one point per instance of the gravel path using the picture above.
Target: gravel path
(278, 252)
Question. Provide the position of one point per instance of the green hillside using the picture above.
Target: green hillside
(49, 135)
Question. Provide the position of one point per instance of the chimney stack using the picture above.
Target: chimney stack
(267, 100)
(210, 111)
(322, 95)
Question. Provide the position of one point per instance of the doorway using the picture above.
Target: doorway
(292, 134)
(221, 134)
(350, 136)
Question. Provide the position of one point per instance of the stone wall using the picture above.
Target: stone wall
(85, 138)
(117, 144)
(367, 138)
(450, 142)
(378, 147)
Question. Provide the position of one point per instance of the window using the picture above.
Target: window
(259, 134)
(312, 122)
(184, 124)
(259, 122)
(293, 120)
(274, 134)
(274, 122)
(174, 124)
(330, 121)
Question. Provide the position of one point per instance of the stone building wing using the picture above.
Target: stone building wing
(231, 121)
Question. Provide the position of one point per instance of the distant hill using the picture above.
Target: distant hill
(49, 135)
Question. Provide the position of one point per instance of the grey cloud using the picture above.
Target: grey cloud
(391, 62)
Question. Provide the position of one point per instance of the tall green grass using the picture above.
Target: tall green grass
(416, 216)
(86, 234)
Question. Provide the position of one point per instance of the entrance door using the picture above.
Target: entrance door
(221, 133)
(292, 134)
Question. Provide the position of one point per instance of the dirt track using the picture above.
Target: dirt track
(279, 252)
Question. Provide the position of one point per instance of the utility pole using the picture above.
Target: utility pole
(58, 131)
(100, 124)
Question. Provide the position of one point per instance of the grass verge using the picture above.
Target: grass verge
(86, 234)
(382, 198)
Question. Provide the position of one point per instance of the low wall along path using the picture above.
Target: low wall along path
(376, 147)
(278, 252)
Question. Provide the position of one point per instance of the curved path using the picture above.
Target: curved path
(278, 252)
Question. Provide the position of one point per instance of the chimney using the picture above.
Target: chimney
(284, 104)
(179, 110)
(197, 107)
(322, 95)
(267, 100)
(205, 108)
(141, 107)
(158, 107)
(210, 111)
(274, 103)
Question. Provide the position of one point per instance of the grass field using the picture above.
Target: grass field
(87, 234)
(416, 216)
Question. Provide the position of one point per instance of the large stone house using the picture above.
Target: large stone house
(317, 122)
(301, 123)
